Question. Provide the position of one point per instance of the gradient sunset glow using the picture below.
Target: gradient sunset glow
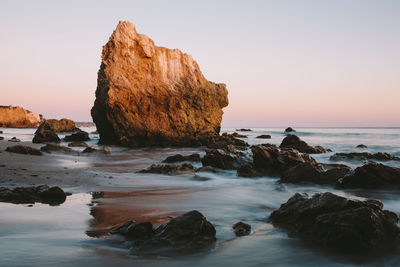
(297, 63)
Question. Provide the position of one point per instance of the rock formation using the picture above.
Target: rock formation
(153, 96)
(17, 117)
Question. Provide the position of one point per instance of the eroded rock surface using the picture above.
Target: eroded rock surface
(293, 141)
(169, 169)
(27, 150)
(24, 195)
(178, 158)
(153, 96)
(17, 117)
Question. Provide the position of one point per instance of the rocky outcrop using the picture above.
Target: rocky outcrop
(264, 136)
(363, 156)
(17, 117)
(293, 141)
(179, 158)
(225, 140)
(362, 146)
(27, 150)
(338, 223)
(153, 96)
(222, 159)
(45, 133)
(25, 195)
(79, 136)
(59, 126)
(94, 151)
(372, 175)
(289, 129)
(244, 130)
(169, 169)
(241, 229)
(55, 148)
(78, 144)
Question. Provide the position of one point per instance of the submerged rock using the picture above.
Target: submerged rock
(244, 130)
(338, 223)
(362, 146)
(78, 144)
(138, 232)
(17, 117)
(25, 195)
(169, 169)
(188, 233)
(14, 139)
(289, 129)
(179, 158)
(1, 138)
(91, 150)
(264, 136)
(27, 150)
(372, 175)
(235, 134)
(363, 156)
(45, 133)
(79, 136)
(293, 141)
(241, 229)
(153, 96)
(55, 148)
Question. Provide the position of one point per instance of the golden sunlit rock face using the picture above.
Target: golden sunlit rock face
(17, 117)
(153, 96)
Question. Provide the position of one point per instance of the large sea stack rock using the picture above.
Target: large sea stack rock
(153, 96)
(17, 117)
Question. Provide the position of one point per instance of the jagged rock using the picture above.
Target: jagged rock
(188, 233)
(226, 140)
(79, 136)
(271, 160)
(362, 146)
(24, 195)
(241, 229)
(59, 126)
(313, 173)
(219, 158)
(153, 96)
(264, 136)
(45, 133)
(293, 141)
(169, 169)
(289, 129)
(55, 148)
(363, 156)
(27, 150)
(17, 117)
(372, 175)
(338, 223)
(78, 144)
(235, 134)
(179, 158)
(94, 151)
(14, 139)
(244, 130)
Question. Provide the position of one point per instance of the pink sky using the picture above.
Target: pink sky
(298, 63)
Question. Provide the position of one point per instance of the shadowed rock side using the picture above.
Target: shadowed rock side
(17, 117)
(25, 195)
(153, 96)
(293, 141)
(338, 223)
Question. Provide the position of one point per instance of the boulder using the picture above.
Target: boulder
(55, 148)
(138, 232)
(235, 134)
(289, 129)
(220, 158)
(372, 175)
(293, 141)
(45, 133)
(241, 229)
(153, 96)
(25, 195)
(188, 233)
(340, 224)
(17, 117)
(79, 136)
(363, 156)
(27, 150)
(78, 144)
(179, 158)
(225, 140)
(169, 169)
(248, 170)
(14, 139)
(264, 136)
(362, 146)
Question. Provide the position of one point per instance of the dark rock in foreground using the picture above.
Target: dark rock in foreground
(220, 158)
(79, 136)
(55, 148)
(27, 150)
(339, 224)
(313, 173)
(241, 229)
(26, 195)
(362, 146)
(289, 129)
(264, 136)
(372, 175)
(169, 169)
(363, 156)
(180, 158)
(293, 141)
(138, 232)
(45, 133)
(1, 138)
(188, 233)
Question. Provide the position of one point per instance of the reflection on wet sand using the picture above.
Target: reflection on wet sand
(111, 209)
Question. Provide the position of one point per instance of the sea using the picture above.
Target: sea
(75, 232)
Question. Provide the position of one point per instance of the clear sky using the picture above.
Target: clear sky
(297, 63)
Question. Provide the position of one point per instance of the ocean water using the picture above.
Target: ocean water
(74, 232)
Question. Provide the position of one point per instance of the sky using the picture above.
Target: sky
(285, 63)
